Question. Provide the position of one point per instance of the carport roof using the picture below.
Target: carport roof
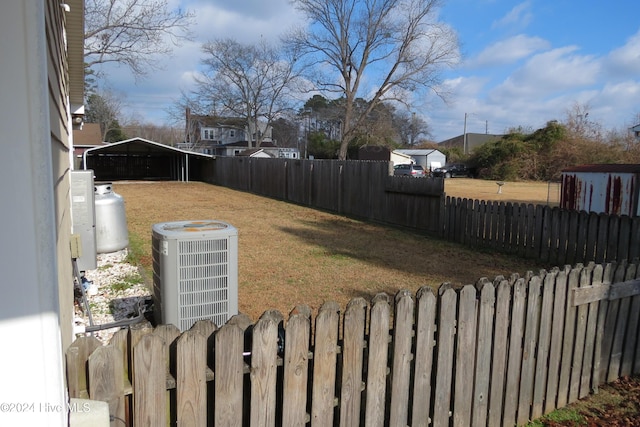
(140, 146)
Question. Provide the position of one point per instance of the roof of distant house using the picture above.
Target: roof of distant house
(90, 135)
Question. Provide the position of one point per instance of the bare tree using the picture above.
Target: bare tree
(383, 50)
(135, 33)
(252, 81)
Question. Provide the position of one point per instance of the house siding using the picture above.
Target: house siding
(59, 113)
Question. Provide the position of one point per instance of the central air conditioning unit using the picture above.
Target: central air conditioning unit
(195, 272)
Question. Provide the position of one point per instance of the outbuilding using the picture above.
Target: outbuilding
(429, 159)
(612, 189)
(140, 159)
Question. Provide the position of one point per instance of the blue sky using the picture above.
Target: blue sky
(523, 63)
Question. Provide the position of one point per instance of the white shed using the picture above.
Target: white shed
(428, 158)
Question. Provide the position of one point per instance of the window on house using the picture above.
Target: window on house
(206, 134)
(232, 133)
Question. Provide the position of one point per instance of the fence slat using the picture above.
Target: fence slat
(544, 343)
(444, 367)
(486, 312)
(106, 379)
(149, 382)
(515, 352)
(465, 356)
(296, 368)
(590, 337)
(229, 365)
(629, 354)
(264, 353)
(628, 272)
(500, 350)
(568, 340)
(377, 362)
(324, 365)
(402, 356)
(425, 340)
(579, 349)
(77, 356)
(525, 399)
(352, 362)
(557, 328)
(191, 379)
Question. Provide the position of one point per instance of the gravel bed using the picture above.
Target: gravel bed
(115, 291)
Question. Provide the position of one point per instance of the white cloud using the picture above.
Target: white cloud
(625, 61)
(508, 51)
(520, 16)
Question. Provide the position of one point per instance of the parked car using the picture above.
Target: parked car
(452, 170)
(409, 170)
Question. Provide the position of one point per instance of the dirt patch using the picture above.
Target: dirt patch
(291, 255)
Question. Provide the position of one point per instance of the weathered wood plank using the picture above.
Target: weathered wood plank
(527, 374)
(149, 382)
(324, 365)
(191, 379)
(579, 342)
(77, 356)
(444, 361)
(106, 379)
(486, 314)
(631, 338)
(465, 357)
(402, 357)
(602, 239)
(605, 324)
(545, 233)
(500, 350)
(515, 352)
(229, 367)
(557, 329)
(569, 338)
(620, 329)
(425, 341)
(594, 276)
(572, 238)
(544, 344)
(352, 362)
(296, 368)
(264, 354)
(377, 361)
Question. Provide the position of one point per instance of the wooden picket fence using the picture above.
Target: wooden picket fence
(495, 353)
(551, 235)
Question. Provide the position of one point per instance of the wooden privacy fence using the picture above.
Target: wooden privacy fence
(496, 353)
(362, 189)
(551, 235)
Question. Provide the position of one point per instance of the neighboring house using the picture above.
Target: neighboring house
(428, 158)
(636, 131)
(87, 136)
(469, 141)
(42, 86)
(205, 134)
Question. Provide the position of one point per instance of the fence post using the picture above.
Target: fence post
(444, 361)
(107, 379)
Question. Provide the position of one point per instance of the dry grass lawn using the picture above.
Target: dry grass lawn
(291, 255)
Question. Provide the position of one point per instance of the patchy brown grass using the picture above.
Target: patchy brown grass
(290, 255)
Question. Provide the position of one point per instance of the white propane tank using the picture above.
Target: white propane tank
(111, 221)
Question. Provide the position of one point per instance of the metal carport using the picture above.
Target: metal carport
(140, 159)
